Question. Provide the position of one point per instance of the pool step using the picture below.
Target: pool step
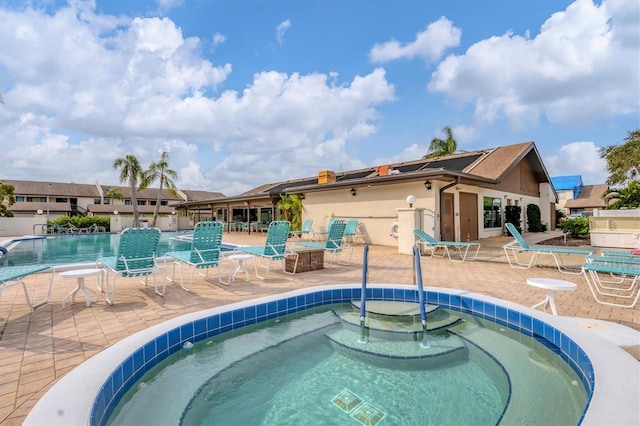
(406, 354)
(398, 326)
(393, 309)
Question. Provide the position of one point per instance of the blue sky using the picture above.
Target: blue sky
(241, 93)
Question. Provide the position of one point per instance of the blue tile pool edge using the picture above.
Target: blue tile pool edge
(164, 339)
(153, 352)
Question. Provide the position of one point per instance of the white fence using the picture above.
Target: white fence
(35, 225)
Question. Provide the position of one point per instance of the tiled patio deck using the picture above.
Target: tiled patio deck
(39, 347)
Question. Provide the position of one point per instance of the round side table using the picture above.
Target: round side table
(80, 275)
(240, 261)
(551, 285)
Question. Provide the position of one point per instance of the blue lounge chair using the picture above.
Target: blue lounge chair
(205, 252)
(136, 257)
(334, 244)
(351, 231)
(432, 244)
(305, 230)
(275, 248)
(592, 272)
(12, 275)
(519, 245)
(620, 253)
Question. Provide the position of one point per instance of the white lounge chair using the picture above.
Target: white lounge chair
(205, 252)
(136, 257)
(432, 244)
(334, 244)
(275, 248)
(519, 245)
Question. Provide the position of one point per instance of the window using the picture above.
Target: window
(61, 200)
(97, 201)
(142, 202)
(20, 199)
(127, 202)
(36, 199)
(492, 210)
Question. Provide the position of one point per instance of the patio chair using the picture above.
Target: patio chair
(135, 257)
(519, 246)
(12, 275)
(432, 244)
(334, 244)
(305, 230)
(351, 231)
(275, 248)
(593, 271)
(620, 253)
(205, 252)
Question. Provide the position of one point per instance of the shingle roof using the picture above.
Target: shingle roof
(591, 196)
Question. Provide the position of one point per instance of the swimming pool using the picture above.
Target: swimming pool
(78, 248)
(74, 399)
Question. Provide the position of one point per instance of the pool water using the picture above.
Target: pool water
(79, 248)
(288, 372)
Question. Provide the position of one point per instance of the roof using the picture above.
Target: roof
(591, 196)
(71, 190)
(485, 167)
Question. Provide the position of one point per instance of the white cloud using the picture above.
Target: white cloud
(578, 158)
(281, 29)
(575, 71)
(100, 87)
(429, 44)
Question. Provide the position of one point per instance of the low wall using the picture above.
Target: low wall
(25, 225)
(615, 228)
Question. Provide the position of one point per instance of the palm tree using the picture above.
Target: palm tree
(130, 172)
(160, 170)
(439, 147)
(291, 207)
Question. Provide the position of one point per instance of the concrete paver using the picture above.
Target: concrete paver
(40, 346)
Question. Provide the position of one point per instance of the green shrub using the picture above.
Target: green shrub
(575, 228)
(512, 215)
(534, 221)
(82, 221)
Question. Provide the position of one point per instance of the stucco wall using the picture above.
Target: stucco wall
(376, 208)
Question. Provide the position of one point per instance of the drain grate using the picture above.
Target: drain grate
(361, 411)
(347, 400)
(368, 415)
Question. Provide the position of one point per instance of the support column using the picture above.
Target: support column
(408, 220)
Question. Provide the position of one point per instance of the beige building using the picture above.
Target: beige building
(55, 199)
(463, 195)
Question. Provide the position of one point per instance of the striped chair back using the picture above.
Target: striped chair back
(137, 251)
(205, 245)
(277, 236)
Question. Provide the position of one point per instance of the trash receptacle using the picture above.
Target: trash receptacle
(144, 223)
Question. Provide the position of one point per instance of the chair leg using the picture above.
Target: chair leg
(155, 285)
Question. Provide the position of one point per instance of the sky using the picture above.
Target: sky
(243, 93)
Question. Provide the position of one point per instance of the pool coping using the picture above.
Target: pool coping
(614, 398)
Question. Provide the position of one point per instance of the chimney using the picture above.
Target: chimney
(326, 176)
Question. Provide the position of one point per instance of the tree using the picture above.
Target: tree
(131, 173)
(160, 170)
(6, 196)
(439, 147)
(291, 207)
(114, 193)
(627, 197)
(623, 161)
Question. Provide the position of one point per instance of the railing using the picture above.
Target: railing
(417, 278)
(363, 295)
